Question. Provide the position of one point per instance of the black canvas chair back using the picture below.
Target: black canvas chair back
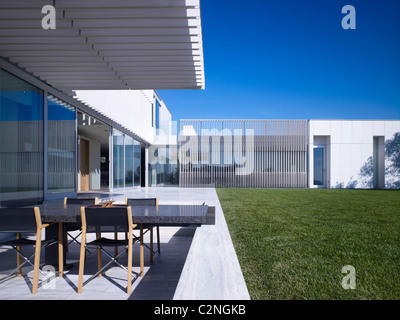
(101, 219)
(106, 219)
(82, 201)
(17, 220)
(142, 202)
(149, 227)
(25, 220)
(77, 226)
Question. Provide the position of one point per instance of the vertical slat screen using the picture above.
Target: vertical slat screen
(211, 153)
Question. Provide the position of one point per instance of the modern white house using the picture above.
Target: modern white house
(79, 112)
(290, 153)
(146, 113)
(78, 106)
(351, 154)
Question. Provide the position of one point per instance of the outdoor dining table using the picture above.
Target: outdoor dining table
(163, 215)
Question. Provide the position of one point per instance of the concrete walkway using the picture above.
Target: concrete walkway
(195, 263)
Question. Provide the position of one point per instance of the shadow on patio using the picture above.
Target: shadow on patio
(159, 282)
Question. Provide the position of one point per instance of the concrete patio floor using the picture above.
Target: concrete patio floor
(194, 263)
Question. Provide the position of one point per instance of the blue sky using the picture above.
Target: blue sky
(293, 60)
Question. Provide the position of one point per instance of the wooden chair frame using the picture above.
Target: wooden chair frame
(131, 226)
(38, 247)
(142, 233)
(74, 239)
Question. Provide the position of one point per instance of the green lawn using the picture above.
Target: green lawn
(293, 243)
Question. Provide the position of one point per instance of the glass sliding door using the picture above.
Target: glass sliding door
(126, 160)
(61, 153)
(129, 145)
(93, 153)
(21, 141)
(118, 159)
(137, 163)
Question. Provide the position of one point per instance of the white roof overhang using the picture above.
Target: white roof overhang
(106, 44)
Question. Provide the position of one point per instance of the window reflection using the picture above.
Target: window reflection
(118, 159)
(21, 141)
(126, 160)
(61, 146)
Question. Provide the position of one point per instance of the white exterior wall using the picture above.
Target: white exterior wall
(130, 108)
(349, 147)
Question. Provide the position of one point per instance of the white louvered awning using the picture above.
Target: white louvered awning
(106, 44)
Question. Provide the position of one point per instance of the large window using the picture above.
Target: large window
(137, 163)
(126, 160)
(21, 141)
(61, 146)
(118, 159)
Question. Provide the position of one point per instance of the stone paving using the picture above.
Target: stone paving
(194, 263)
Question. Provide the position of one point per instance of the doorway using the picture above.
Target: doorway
(93, 153)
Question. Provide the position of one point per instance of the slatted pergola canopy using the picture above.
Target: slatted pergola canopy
(106, 44)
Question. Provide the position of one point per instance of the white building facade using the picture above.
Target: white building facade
(353, 153)
(290, 153)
